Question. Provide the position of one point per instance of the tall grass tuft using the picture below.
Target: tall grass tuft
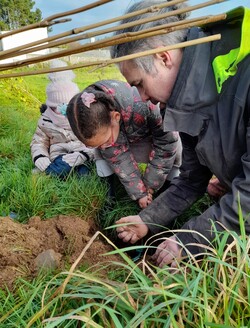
(210, 292)
(41, 195)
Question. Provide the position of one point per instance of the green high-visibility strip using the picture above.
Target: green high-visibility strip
(226, 65)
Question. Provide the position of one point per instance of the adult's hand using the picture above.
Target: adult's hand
(133, 229)
(168, 252)
(215, 189)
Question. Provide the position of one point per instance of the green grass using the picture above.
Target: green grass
(20, 191)
(212, 292)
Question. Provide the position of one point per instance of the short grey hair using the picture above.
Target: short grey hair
(147, 63)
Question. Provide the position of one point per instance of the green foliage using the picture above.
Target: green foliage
(17, 310)
(196, 209)
(17, 13)
(15, 92)
(30, 91)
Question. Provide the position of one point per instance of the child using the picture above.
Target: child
(55, 149)
(110, 116)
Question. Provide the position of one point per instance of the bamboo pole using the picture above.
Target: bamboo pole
(88, 27)
(47, 21)
(121, 59)
(79, 49)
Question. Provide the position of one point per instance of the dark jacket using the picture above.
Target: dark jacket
(139, 120)
(215, 131)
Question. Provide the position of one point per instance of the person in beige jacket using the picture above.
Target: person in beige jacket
(55, 149)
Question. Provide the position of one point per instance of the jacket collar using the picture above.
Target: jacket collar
(194, 91)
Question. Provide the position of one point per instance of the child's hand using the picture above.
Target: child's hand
(74, 159)
(143, 202)
(42, 163)
(150, 196)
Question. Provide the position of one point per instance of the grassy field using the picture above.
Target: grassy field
(20, 101)
(212, 292)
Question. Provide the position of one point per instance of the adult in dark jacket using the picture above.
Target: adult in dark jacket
(206, 95)
(109, 115)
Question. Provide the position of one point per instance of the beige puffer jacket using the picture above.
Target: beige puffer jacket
(54, 137)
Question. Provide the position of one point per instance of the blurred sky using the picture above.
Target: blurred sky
(113, 9)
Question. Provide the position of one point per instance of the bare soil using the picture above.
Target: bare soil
(66, 236)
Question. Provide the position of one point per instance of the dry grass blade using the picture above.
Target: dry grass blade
(78, 260)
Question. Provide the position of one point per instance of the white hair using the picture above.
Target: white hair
(147, 63)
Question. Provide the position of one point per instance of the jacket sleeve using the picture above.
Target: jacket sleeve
(163, 154)
(184, 190)
(226, 212)
(40, 144)
(124, 165)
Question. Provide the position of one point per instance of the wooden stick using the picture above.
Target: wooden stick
(120, 59)
(127, 37)
(88, 27)
(47, 21)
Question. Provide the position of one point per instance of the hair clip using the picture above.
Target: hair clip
(88, 98)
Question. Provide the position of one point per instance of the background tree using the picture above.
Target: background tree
(17, 13)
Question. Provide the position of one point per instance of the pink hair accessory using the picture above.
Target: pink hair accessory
(88, 98)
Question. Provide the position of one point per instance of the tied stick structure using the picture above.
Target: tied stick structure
(120, 38)
(127, 37)
(81, 49)
(120, 59)
(31, 46)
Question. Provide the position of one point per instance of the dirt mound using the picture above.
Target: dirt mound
(66, 237)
